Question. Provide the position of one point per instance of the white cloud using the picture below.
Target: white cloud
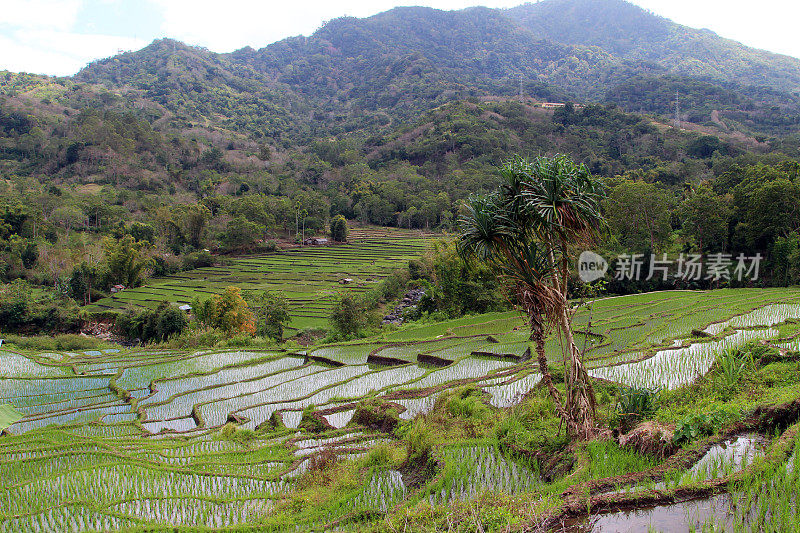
(53, 14)
(767, 24)
(227, 26)
(58, 53)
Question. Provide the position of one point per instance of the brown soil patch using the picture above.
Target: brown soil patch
(433, 360)
(650, 438)
(385, 361)
(378, 417)
(418, 472)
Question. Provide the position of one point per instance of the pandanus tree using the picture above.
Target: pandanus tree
(529, 230)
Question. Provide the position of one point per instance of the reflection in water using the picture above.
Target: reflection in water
(678, 517)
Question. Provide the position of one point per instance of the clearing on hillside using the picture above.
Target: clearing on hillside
(307, 276)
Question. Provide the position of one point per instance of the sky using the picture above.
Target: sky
(59, 37)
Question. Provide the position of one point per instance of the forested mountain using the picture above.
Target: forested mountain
(631, 33)
(355, 74)
(440, 95)
(168, 111)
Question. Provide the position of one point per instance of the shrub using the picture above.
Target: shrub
(419, 440)
(169, 321)
(310, 422)
(167, 264)
(125, 261)
(196, 338)
(457, 287)
(271, 311)
(323, 461)
(152, 325)
(15, 303)
(466, 402)
(731, 367)
(240, 341)
(394, 285)
(228, 312)
(55, 343)
(636, 402)
(375, 414)
(350, 314)
(532, 425)
(49, 312)
(339, 228)
(233, 433)
(701, 425)
(381, 455)
(198, 259)
(241, 232)
(268, 246)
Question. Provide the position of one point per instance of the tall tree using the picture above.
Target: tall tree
(638, 212)
(271, 311)
(528, 230)
(195, 218)
(705, 218)
(227, 311)
(124, 261)
(339, 228)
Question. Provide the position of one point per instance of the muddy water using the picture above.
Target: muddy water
(728, 457)
(678, 517)
(723, 459)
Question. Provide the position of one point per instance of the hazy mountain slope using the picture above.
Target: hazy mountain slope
(630, 32)
(479, 47)
(373, 73)
(199, 87)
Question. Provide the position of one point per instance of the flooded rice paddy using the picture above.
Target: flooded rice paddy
(118, 438)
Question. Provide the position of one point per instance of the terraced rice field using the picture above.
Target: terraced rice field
(307, 276)
(128, 439)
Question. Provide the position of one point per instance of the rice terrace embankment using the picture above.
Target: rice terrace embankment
(307, 276)
(120, 438)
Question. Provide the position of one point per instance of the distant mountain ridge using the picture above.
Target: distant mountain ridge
(361, 73)
(632, 33)
(413, 102)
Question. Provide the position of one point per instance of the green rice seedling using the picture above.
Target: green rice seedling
(476, 468)
(634, 404)
(508, 394)
(96, 468)
(607, 459)
(731, 367)
(417, 406)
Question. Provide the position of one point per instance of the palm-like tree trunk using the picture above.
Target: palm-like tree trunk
(580, 398)
(580, 404)
(539, 339)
